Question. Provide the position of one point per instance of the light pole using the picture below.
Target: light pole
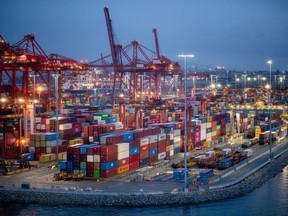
(39, 89)
(56, 76)
(270, 115)
(185, 56)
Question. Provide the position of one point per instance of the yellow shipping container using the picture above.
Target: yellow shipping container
(31, 143)
(43, 143)
(62, 156)
(47, 158)
(122, 169)
(76, 141)
(167, 148)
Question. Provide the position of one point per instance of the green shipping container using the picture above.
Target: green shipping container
(213, 133)
(96, 173)
(83, 165)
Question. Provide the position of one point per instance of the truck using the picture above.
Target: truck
(224, 163)
(263, 138)
(248, 152)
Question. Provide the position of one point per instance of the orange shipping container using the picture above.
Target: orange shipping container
(122, 169)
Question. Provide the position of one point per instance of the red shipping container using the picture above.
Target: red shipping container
(107, 158)
(197, 128)
(156, 130)
(76, 129)
(123, 162)
(147, 132)
(83, 157)
(144, 148)
(134, 143)
(42, 149)
(144, 155)
(161, 143)
(89, 172)
(37, 150)
(153, 145)
(108, 173)
(96, 165)
(76, 150)
(179, 125)
(76, 124)
(108, 128)
(114, 139)
(76, 158)
(89, 166)
(134, 165)
(134, 158)
(108, 149)
(161, 149)
(67, 136)
(153, 158)
(37, 156)
(85, 128)
(138, 134)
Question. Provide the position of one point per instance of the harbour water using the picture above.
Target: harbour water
(270, 199)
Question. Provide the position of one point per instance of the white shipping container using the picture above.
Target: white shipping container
(64, 156)
(119, 126)
(91, 139)
(122, 155)
(65, 126)
(203, 134)
(208, 138)
(161, 155)
(96, 158)
(98, 118)
(101, 121)
(48, 150)
(208, 125)
(162, 136)
(177, 139)
(203, 126)
(37, 143)
(124, 146)
(176, 132)
(42, 126)
(90, 158)
(153, 138)
(144, 141)
(171, 152)
(67, 111)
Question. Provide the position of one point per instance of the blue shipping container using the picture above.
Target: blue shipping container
(153, 152)
(63, 165)
(109, 165)
(69, 165)
(128, 136)
(76, 165)
(28, 156)
(144, 161)
(134, 151)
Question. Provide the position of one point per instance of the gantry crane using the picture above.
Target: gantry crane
(135, 67)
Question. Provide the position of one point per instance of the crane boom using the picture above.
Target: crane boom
(111, 38)
(156, 43)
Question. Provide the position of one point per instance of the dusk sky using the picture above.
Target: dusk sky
(237, 34)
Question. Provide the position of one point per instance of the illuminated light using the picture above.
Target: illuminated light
(21, 100)
(3, 100)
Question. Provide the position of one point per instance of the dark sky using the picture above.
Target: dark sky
(237, 34)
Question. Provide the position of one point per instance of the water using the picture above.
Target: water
(270, 199)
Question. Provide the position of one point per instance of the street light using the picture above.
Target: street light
(39, 90)
(56, 76)
(185, 56)
(270, 115)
